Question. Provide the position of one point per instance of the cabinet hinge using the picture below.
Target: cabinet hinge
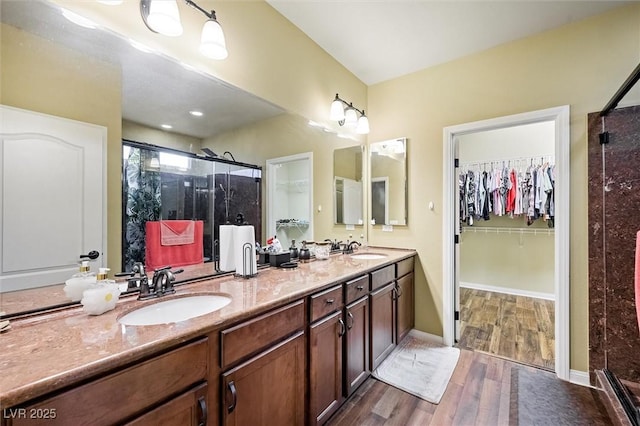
(456, 162)
(456, 315)
(456, 239)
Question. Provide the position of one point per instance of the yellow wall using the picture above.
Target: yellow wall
(41, 76)
(141, 133)
(581, 64)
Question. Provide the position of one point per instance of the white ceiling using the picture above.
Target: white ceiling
(383, 39)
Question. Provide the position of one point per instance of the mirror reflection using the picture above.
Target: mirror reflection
(348, 194)
(388, 172)
(52, 66)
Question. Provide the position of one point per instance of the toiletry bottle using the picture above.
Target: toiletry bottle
(103, 297)
(79, 282)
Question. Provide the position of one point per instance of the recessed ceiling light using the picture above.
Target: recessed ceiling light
(78, 20)
(110, 2)
(166, 126)
(196, 113)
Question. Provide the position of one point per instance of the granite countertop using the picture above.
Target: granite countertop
(45, 353)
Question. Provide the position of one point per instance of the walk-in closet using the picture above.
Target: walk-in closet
(506, 259)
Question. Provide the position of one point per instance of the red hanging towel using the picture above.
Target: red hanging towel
(159, 255)
(177, 232)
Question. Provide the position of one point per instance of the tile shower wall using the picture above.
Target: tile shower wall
(614, 220)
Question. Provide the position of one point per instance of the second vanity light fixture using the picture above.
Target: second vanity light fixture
(347, 115)
(162, 16)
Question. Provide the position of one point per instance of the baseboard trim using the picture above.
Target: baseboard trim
(426, 336)
(579, 378)
(505, 290)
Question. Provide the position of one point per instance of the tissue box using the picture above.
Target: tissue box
(279, 258)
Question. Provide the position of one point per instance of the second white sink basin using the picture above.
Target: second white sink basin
(368, 256)
(175, 310)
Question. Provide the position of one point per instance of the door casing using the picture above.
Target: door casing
(561, 116)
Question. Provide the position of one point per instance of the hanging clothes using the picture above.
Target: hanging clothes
(502, 190)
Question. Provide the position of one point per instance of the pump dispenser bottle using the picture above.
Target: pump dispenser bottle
(103, 297)
(79, 282)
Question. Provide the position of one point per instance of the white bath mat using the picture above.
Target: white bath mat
(420, 367)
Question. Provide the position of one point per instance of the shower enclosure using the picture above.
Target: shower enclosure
(165, 184)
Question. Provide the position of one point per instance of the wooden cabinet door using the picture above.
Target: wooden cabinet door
(357, 345)
(188, 409)
(383, 323)
(404, 289)
(325, 367)
(268, 389)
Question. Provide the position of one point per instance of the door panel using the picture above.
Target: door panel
(47, 160)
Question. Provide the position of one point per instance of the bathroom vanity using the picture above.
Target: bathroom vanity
(290, 348)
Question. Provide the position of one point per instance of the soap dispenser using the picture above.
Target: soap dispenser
(79, 282)
(103, 297)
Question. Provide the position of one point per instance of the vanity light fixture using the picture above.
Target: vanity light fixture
(163, 17)
(347, 115)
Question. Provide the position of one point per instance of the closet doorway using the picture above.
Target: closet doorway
(506, 262)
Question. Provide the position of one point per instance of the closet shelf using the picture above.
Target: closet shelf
(505, 230)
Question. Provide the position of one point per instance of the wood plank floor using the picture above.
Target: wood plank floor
(479, 393)
(515, 327)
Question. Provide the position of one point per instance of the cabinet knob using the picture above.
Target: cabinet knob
(330, 301)
(359, 288)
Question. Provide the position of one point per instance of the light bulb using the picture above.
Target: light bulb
(337, 110)
(212, 43)
(164, 17)
(363, 125)
(350, 117)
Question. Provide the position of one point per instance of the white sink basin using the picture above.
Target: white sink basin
(368, 256)
(175, 310)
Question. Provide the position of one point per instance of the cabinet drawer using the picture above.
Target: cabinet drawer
(404, 267)
(326, 302)
(117, 396)
(382, 276)
(356, 288)
(251, 336)
(187, 409)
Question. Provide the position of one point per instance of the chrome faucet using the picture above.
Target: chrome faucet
(161, 283)
(348, 248)
(137, 277)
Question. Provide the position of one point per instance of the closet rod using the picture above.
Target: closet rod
(622, 91)
(505, 230)
(528, 160)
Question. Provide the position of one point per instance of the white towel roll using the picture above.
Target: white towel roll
(245, 252)
(227, 259)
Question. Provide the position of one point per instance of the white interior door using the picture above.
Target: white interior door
(58, 163)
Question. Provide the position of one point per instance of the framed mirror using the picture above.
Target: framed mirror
(348, 189)
(388, 180)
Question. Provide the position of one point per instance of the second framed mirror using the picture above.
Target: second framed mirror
(388, 180)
